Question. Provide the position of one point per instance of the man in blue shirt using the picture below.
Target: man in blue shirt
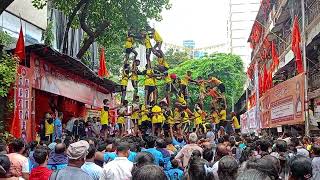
(174, 173)
(109, 156)
(90, 167)
(151, 142)
(58, 126)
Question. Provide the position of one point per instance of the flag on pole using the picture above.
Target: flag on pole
(265, 79)
(296, 39)
(20, 49)
(103, 72)
(275, 57)
(16, 124)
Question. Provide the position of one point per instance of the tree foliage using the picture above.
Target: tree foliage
(226, 67)
(107, 21)
(175, 57)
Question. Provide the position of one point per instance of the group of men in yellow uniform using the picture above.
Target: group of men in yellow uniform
(160, 117)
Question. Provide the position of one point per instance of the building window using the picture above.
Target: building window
(11, 24)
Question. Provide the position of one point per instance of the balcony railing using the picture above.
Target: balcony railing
(312, 10)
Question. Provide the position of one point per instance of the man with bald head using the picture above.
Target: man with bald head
(58, 158)
(221, 151)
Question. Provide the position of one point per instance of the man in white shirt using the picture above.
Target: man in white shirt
(120, 168)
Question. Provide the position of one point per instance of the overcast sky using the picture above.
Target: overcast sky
(204, 21)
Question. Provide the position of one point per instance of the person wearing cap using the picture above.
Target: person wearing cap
(185, 153)
(120, 168)
(76, 153)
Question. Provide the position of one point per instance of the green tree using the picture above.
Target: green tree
(226, 67)
(175, 57)
(8, 70)
(106, 21)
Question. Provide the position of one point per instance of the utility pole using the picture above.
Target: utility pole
(306, 103)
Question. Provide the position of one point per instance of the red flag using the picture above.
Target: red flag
(296, 39)
(269, 80)
(265, 78)
(103, 72)
(20, 50)
(16, 125)
(275, 57)
(260, 85)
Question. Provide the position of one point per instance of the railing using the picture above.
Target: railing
(312, 10)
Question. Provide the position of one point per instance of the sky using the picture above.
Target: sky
(204, 21)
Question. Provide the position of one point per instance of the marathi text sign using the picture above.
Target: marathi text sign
(244, 123)
(283, 104)
(23, 98)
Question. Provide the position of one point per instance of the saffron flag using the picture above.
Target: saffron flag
(269, 81)
(265, 79)
(103, 72)
(275, 57)
(296, 39)
(16, 124)
(20, 50)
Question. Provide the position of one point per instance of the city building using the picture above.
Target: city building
(189, 44)
(22, 13)
(281, 104)
(241, 17)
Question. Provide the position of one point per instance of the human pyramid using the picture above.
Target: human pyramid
(166, 117)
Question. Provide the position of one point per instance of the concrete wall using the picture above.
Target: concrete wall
(25, 9)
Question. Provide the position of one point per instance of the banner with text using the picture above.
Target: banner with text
(283, 104)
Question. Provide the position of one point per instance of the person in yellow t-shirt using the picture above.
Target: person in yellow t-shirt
(129, 46)
(169, 79)
(215, 82)
(124, 82)
(144, 121)
(184, 82)
(168, 117)
(135, 116)
(185, 119)
(235, 122)
(48, 127)
(202, 90)
(147, 43)
(180, 101)
(222, 117)
(104, 117)
(157, 38)
(199, 119)
(157, 119)
(162, 65)
(134, 76)
(150, 84)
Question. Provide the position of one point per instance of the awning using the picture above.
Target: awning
(73, 65)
